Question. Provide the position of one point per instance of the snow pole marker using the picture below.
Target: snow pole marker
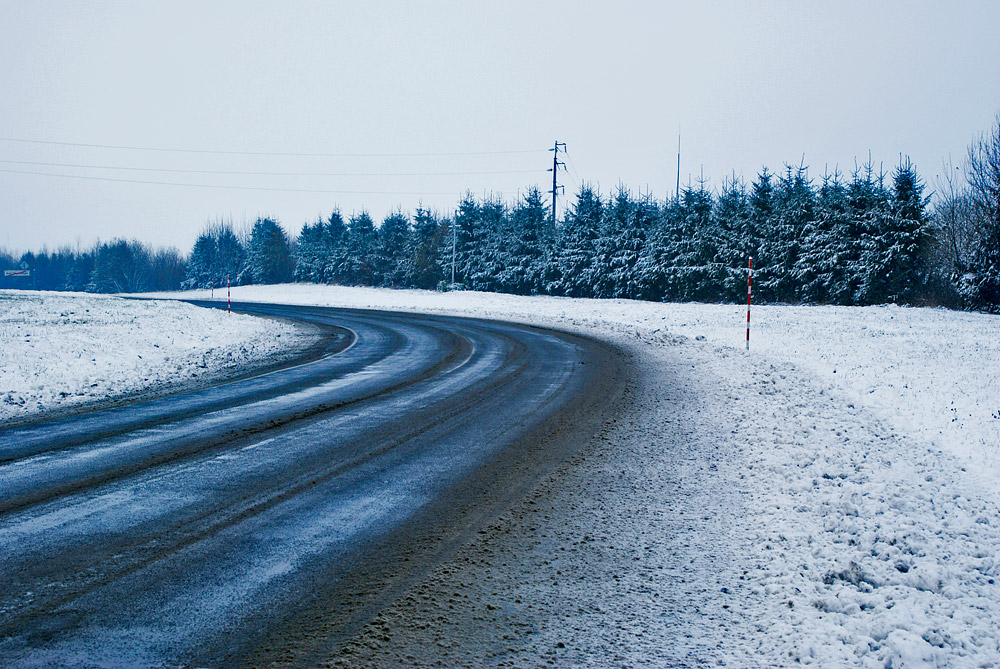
(749, 283)
(229, 301)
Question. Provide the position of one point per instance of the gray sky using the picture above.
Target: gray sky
(747, 83)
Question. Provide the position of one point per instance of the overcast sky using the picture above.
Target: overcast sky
(746, 83)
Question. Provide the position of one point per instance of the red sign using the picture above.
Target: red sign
(17, 272)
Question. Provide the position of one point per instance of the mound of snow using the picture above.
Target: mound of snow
(63, 349)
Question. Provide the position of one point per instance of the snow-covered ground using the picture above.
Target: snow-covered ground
(829, 498)
(59, 350)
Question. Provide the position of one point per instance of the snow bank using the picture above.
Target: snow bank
(63, 349)
(829, 499)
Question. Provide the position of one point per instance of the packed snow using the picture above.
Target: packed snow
(830, 497)
(60, 350)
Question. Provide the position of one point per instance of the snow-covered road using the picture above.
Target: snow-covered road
(830, 498)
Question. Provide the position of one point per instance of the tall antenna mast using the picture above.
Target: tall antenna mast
(677, 189)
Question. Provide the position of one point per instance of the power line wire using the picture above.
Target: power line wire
(266, 153)
(258, 188)
(574, 175)
(280, 174)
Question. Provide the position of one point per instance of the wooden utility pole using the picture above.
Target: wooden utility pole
(555, 171)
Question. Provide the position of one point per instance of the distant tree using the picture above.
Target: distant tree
(394, 246)
(577, 246)
(361, 260)
(310, 253)
(335, 252)
(78, 278)
(793, 210)
(469, 238)
(735, 241)
(691, 248)
(121, 266)
(167, 269)
(424, 268)
(218, 255)
(492, 253)
(955, 228)
(269, 254)
(828, 251)
(529, 237)
(619, 248)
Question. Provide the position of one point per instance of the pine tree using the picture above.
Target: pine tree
(310, 253)
(269, 255)
(734, 240)
(828, 251)
(394, 249)
(494, 252)
(335, 254)
(528, 245)
(469, 239)
(576, 246)
(203, 263)
(691, 247)
(362, 251)
(424, 268)
(120, 266)
(620, 245)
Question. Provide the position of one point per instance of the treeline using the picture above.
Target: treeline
(864, 240)
(119, 266)
(869, 237)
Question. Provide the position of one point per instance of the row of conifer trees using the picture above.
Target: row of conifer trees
(867, 238)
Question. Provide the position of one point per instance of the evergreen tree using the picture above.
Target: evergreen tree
(620, 245)
(527, 248)
(793, 209)
(469, 239)
(394, 248)
(335, 256)
(218, 255)
(425, 268)
(493, 252)
(734, 239)
(120, 266)
(362, 251)
(823, 270)
(79, 273)
(691, 248)
(310, 253)
(576, 246)
(269, 255)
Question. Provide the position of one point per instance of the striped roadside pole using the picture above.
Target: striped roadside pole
(749, 283)
(229, 300)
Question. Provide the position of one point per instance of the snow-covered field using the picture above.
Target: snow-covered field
(58, 350)
(829, 498)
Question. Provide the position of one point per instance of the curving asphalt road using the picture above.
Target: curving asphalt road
(266, 519)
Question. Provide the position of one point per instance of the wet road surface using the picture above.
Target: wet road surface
(264, 520)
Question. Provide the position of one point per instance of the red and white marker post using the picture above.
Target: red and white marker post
(229, 301)
(749, 283)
